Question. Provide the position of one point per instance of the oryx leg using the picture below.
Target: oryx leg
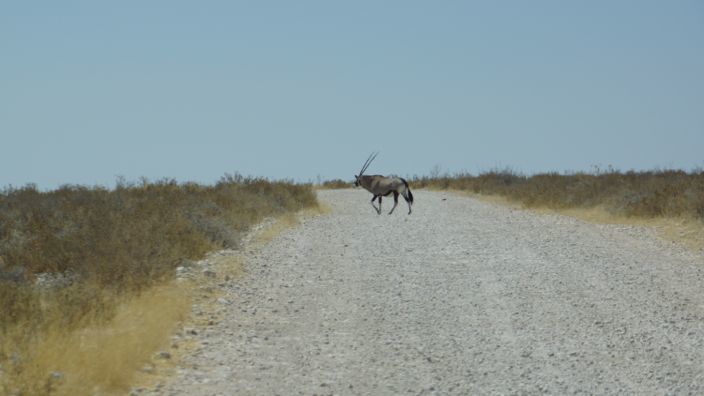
(395, 202)
(378, 210)
(408, 200)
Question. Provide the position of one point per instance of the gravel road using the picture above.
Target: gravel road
(461, 297)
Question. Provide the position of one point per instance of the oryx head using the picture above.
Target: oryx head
(364, 168)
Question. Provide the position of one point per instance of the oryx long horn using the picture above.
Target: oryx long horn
(368, 162)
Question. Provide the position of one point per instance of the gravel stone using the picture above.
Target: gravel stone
(461, 297)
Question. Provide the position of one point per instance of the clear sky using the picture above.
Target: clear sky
(305, 89)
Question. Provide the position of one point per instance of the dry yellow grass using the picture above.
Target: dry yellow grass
(270, 231)
(286, 221)
(204, 292)
(685, 231)
(102, 358)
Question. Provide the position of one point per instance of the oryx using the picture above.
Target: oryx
(382, 186)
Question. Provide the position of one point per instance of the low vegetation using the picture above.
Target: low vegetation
(666, 193)
(335, 184)
(77, 264)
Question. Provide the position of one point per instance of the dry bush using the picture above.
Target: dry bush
(335, 184)
(101, 247)
(665, 193)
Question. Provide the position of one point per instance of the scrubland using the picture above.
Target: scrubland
(645, 194)
(86, 273)
(672, 200)
(641, 194)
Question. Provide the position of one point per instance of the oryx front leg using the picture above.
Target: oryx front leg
(378, 210)
(395, 202)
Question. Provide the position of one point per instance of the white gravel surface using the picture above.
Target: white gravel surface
(461, 297)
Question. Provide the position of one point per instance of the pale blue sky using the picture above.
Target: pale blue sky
(190, 90)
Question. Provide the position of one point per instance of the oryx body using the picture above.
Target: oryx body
(382, 186)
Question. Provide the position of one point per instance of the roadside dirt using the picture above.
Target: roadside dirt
(461, 297)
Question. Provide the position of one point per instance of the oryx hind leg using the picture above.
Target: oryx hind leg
(395, 202)
(408, 196)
